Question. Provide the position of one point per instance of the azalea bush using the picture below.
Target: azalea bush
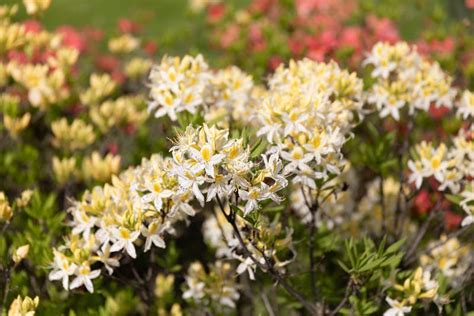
(134, 184)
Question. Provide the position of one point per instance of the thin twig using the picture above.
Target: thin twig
(312, 232)
(6, 287)
(382, 205)
(269, 267)
(344, 300)
(267, 304)
(401, 178)
(421, 234)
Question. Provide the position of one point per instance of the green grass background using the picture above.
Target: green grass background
(169, 22)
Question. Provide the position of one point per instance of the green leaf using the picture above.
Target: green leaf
(395, 246)
(343, 266)
(456, 199)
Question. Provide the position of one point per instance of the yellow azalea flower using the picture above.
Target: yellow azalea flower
(100, 168)
(16, 125)
(64, 169)
(34, 7)
(123, 44)
(23, 306)
(76, 135)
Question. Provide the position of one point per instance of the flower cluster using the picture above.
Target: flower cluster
(449, 257)
(216, 286)
(452, 167)
(145, 201)
(208, 161)
(177, 85)
(308, 114)
(187, 84)
(141, 202)
(404, 80)
(420, 286)
(323, 190)
(23, 306)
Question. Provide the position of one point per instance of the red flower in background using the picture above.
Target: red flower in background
(215, 12)
(274, 62)
(130, 129)
(296, 45)
(107, 63)
(112, 148)
(118, 76)
(262, 6)
(438, 112)
(444, 46)
(469, 4)
(452, 220)
(75, 109)
(422, 202)
(150, 47)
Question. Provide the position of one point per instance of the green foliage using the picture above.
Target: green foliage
(365, 261)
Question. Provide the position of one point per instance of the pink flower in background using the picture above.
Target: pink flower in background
(317, 54)
(229, 36)
(72, 38)
(92, 34)
(19, 57)
(351, 37)
(469, 4)
(32, 26)
(128, 26)
(256, 40)
(383, 29)
(444, 46)
(296, 45)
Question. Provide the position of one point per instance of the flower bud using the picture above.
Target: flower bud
(20, 253)
(6, 211)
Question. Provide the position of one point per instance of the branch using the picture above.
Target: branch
(450, 236)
